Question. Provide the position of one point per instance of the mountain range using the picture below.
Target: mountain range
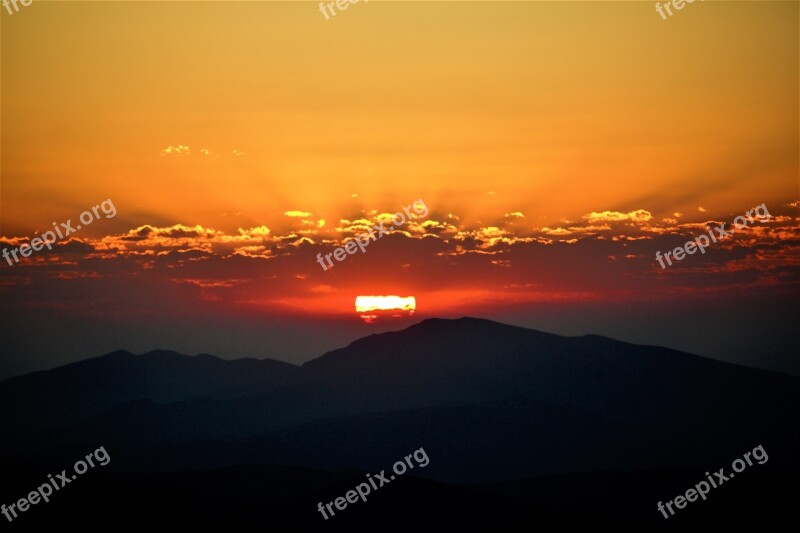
(503, 412)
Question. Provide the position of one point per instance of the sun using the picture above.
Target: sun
(370, 308)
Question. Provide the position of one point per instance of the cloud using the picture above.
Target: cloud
(558, 231)
(209, 283)
(297, 214)
(640, 215)
(176, 150)
(269, 267)
(258, 252)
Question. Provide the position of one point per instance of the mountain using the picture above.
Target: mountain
(488, 401)
(74, 392)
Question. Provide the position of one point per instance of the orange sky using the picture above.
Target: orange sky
(557, 145)
(559, 109)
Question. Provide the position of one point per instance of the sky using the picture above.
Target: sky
(555, 146)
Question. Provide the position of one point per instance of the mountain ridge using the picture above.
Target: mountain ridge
(583, 400)
(427, 326)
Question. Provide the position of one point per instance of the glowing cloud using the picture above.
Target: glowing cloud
(639, 215)
(297, 214)
(176, 150)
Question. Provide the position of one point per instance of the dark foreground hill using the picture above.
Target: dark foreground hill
(286, 499)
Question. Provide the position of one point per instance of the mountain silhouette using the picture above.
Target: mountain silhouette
(79, 390)
(489, 402)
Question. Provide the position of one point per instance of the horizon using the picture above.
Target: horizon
(224, 358)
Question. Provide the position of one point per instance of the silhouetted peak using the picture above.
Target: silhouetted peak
(463, 325)
(438, 324)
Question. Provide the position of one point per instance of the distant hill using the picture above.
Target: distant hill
(74, 392)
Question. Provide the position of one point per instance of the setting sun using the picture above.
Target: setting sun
(371, 307)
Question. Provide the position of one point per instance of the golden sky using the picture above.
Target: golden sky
(551, 109)
(557, 146)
